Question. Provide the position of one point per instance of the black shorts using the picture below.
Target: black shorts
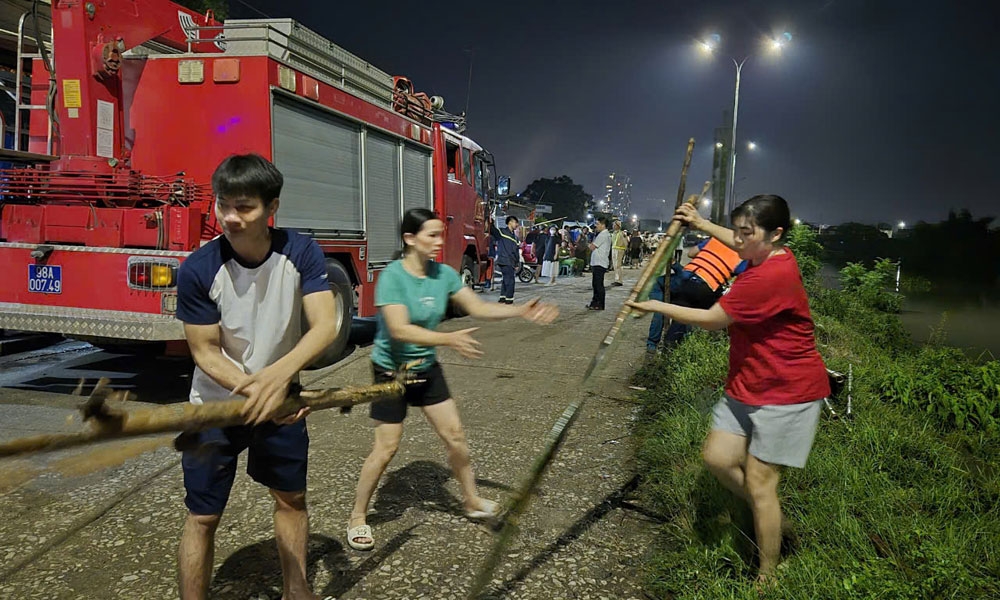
(278, 459)
(433, 390)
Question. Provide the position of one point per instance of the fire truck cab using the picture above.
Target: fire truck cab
(138, 102)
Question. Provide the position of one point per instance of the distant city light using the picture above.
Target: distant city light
(902, 225)
(798, 221)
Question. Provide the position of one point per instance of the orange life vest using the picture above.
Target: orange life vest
(714, 263)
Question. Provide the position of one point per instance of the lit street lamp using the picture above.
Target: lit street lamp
(751, 145)
(709, 46)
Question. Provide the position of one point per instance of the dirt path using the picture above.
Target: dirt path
(583, 537)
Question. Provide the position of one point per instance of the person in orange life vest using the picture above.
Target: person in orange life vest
(777, 381)
(698, 285)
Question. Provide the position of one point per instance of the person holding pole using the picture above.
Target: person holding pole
(241, 298)
(412, 294)
(767, 417)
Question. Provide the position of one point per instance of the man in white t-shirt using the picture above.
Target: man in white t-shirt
(241, 297)
(600, 260)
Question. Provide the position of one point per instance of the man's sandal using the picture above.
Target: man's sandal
(360, 531)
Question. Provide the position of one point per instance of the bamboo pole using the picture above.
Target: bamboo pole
(102, 422)
(519, 502)
(682, 187)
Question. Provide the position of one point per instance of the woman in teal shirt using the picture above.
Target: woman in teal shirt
(412, 295)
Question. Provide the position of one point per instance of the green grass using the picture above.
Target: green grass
(902, 502)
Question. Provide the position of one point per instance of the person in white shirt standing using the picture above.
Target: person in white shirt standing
(600, 257)
(242, 297)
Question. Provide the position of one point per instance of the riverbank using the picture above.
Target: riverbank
(969, 319)
(901, 501)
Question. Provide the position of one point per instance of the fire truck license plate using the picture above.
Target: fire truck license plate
(45, 279)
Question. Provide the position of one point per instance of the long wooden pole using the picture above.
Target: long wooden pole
(519, 502)
(664, 253)
(103, 423)
(681, 188)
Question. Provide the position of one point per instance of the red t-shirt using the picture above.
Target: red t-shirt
(772, 351)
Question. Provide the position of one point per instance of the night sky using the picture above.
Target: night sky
(877, 110)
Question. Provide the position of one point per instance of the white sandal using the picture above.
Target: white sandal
(360, 531)
(489, 510)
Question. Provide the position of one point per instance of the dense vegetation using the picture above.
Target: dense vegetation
(900, 501)
(962, 249)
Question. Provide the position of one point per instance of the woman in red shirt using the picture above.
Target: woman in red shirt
(768, 414)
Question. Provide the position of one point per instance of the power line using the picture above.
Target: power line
(255, 9)
(468, 91)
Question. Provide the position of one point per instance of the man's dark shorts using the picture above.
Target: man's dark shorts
(433, 390)
(277, 458)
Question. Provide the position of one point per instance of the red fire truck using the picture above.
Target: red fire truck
(135, 106)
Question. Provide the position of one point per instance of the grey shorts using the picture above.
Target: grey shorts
(779, 434)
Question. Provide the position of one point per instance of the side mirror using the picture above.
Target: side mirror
(503, 186)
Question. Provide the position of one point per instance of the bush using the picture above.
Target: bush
(873, 328)
(902, 502)
(808, 252)
(873, 287)
(945, 384)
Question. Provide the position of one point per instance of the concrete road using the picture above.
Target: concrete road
(71, 530)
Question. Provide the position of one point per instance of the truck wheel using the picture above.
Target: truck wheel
(343, 292)
(467, 272)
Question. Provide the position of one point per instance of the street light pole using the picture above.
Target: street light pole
(709, 46)
(732, 145)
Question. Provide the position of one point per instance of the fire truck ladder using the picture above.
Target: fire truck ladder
(292, 44)
(19, 83)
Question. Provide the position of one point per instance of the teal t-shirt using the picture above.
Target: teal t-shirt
(426, 299)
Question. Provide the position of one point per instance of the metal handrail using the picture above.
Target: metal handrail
(19, 89)
(341, 77)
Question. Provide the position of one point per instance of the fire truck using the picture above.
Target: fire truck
(128, 112)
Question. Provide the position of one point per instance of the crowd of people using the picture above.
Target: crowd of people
(553, 251)
(243, 295)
